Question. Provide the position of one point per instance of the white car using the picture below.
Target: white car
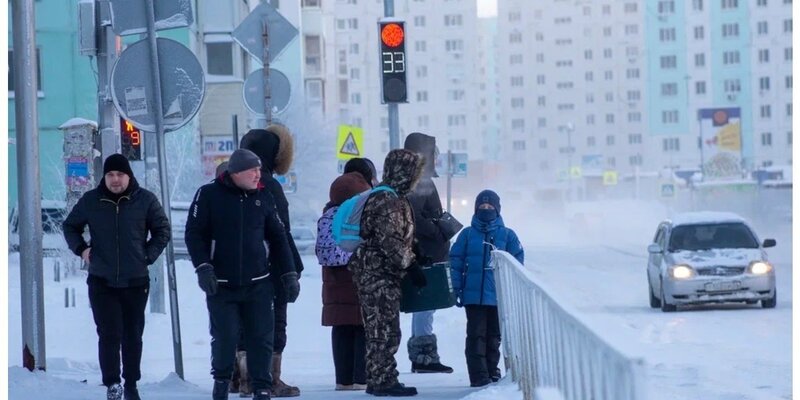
(709, 257)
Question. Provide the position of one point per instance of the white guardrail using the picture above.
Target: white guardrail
(547, 346)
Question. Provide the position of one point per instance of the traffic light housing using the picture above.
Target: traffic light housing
(131, 140)
(394, 88)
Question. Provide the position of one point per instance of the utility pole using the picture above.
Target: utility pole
(265, 62)
(394, 111)
(30, 192)
(107, 117)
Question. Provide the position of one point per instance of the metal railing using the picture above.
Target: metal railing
(545, 344)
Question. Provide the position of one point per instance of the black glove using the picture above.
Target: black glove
(291, 286)
(206, 278)
(417, 276)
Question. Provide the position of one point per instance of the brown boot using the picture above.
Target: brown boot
(244, 377)
(279, 387)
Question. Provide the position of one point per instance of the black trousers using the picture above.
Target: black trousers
(483, 342)
(279, 340)
(349, 354)
(246, 310)
(119, 316)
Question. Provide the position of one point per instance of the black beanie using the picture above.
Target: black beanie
(363, 166)
(117, 162)
(242, 160)
(490, 197)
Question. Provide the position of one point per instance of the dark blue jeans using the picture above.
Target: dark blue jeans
(248, 308)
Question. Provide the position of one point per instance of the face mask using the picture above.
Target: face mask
(486, 215)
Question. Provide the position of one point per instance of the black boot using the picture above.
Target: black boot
(131, 393)
(261, 395)
(396, 390)
(481, 382)
(220, 391)
(430, 368)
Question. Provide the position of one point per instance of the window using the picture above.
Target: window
(763, 83)
(313, 52)
(422, 71)
(344, 94)
(516, 81)
(11, 71)
(732, 86)
(541, 122)
(587, 54)
(666, 7)
(730, 30)
(514, 16)
(730, 57)
(422, 96)
(610, 140)
(669, 62)
(634, 116)
(631, 8)
(563, 63)
(763, 56)
(789, 109)
(541, 101)
(634, 95)
(632, 73)
(589, 98)
(697, 5)
(700, 60)
(562, 20)
(606, 10)
(453, 20)
(666, 34)
(762, 27)
(587, 10)
(352, 23)
(608, 75)
(607, 53)
(635, 160)
(590, 119)
(766, 139)
(311, 3)
(761, 3)
(353, 48)
(788, 83)
(342, 62)
(419, 20)
(456, 120)
(518, 124)
(787, 26)
(517, 102)
(219, 56)
(355, 98)
(423, 120)
(454, 45)
(700, 87)
(455, 94)
(669, 89)
(635, 138)
(420, 46)
(565, 107)
(590, 141)
(699, 32)
(789, 138)
(539, 79)
(671, 145)
(787, 54)
(518, 145)
(564, 85)
(539, 57)
(609, 118)
(355, 74)
(542, 143)
(730, 4)
(669, 116)
(589, 76)
(515, 37)
(515, 59)
(607, 31)
(766, 111)
(609, 97)
(631, 51)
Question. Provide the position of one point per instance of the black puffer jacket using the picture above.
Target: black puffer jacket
(120, 250)
(235, 231)
(425, 201)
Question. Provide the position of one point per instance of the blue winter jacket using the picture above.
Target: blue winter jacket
(472, 276)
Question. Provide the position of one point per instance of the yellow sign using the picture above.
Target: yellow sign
(730, 137)
(575, 172)
(610, 178)
(350, 143)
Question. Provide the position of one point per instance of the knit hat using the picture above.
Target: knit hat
(363, 166)
(488, 196)
(242, 160)
(117, 162)
(347, 186)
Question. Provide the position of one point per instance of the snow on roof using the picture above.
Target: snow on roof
(705, 217)
(77, 122)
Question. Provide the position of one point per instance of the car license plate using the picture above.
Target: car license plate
(723, 286)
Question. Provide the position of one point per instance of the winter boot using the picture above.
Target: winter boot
(261, 394)
(244, 377)
(495, 375)
(114, 392)
(234, 386)
(424, 355)
(279, 387)
(431, 368)
(131, 393)
(396, 390)
(220, 391)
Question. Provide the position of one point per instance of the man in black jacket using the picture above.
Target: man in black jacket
(431, 246)
(120, 214)
(231, 223)
(274, 146)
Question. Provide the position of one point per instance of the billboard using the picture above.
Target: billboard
(721, 142)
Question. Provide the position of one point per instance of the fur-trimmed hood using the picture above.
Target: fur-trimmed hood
(402, 170)
(274, 145)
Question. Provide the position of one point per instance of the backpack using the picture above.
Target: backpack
(346, 226)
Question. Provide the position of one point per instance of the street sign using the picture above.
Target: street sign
(350, 143)
(253, 91)
(575, 172)
(610, 178)
(183, 85)
(668, 190)
(128, 17)
(249, 33)
(459, 164)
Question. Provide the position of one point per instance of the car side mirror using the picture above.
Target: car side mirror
(769, 243)
(654, 249)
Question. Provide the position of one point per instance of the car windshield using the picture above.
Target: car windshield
(712, 236)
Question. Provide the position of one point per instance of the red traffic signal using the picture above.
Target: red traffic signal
(392, 35)
(393, 62)
(130, 140)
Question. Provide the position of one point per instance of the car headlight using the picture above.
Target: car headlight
(760, 268)
(681, 271)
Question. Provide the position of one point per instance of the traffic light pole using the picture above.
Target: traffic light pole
(394, 111)
(155, 78)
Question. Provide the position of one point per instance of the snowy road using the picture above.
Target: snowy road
(730, 352)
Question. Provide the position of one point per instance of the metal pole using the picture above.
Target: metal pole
(235, 123)
(107, 121)
(155, 75)
(394, 112)
(265, 62)
(449, 179)
(30, 192)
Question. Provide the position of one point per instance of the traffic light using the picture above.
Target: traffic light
(131, 140)
(393, 61)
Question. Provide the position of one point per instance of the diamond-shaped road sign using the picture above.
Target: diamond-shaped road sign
(129, 17)
(249, 33)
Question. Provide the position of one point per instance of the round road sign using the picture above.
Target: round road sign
(253, 91)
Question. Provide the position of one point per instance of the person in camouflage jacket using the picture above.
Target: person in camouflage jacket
(379, 264)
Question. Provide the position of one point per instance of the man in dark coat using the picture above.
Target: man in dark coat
(431, 247)
(120, 215)
(274, 146)
(379, 264)
(231, 223)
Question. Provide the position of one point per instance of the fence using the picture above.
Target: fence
(546, 345)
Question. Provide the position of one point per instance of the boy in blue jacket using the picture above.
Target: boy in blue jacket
(473, 283)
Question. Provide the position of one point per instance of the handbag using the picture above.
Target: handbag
(449, 225)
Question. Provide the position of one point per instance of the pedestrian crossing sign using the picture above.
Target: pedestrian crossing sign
(350, 143)
(610, 178)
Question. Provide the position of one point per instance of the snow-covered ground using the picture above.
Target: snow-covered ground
(73, 372)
